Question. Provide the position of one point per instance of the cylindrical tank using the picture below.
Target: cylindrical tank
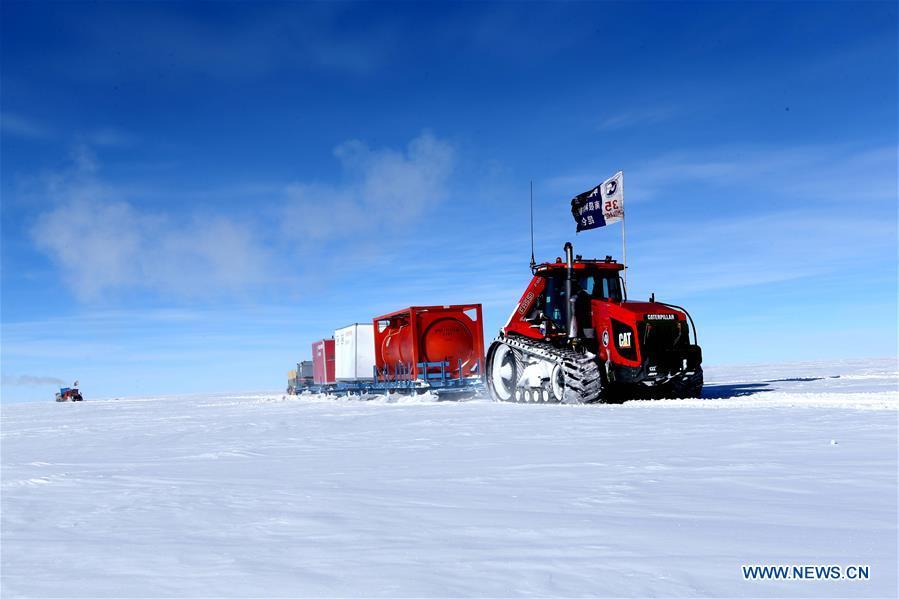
(447, 335)
(396, 344)
(447, 339)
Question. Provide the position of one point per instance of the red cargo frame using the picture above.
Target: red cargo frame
(420, 318)
(323, 362)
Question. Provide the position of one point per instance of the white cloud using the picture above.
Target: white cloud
(96, 245)
(29, 128)
(104, 246)
(20, 126)
(103, 243)
(384, 189)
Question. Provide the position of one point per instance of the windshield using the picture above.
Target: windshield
(586, 286)
(600, 285)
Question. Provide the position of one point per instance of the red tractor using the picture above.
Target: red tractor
(574, 337)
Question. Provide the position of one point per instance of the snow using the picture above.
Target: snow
(266, 495)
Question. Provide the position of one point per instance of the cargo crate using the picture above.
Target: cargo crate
(354, 352)
(323, 362)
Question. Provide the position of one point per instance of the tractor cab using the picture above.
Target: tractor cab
(543, 309)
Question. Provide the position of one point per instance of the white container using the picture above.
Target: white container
(354, 352)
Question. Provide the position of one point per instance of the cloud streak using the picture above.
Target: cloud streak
(760, 250)
(27, 380)
(818, 173)
(637, 117)
(20, 126)
(258, 42)
(383, 189)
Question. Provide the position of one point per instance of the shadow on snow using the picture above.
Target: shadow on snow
(803, 379)
(727, 391)
(734, 390)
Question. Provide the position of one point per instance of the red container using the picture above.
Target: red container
(419, 334)
(323, 362)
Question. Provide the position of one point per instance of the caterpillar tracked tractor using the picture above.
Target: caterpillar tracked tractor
(574, 337)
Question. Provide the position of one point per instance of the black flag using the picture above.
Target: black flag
(600, 206)
(586, 208)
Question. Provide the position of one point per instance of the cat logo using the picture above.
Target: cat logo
(624, 339)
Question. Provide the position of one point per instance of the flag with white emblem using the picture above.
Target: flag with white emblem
(600, 206)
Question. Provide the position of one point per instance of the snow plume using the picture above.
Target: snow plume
(385, 188)
(24, 380)
(103, 243)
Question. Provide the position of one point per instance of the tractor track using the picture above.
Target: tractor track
(582, 379)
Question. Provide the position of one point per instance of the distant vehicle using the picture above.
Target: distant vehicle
(300, 378)
(69, 393)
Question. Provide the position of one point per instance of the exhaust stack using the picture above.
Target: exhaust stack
(569, 265)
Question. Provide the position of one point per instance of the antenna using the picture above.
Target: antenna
(533, 262)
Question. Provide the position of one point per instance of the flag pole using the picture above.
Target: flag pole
(624, 247)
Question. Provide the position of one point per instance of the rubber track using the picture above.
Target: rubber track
(583, 383)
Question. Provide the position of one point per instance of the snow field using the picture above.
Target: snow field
(265, 495)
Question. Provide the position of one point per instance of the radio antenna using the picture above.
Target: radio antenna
(533, 262)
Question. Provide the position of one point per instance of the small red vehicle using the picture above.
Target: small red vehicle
(574, 337)
(69, 393)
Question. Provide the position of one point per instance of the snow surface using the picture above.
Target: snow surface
(266, 495)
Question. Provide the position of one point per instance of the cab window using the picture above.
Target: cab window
(601, 286)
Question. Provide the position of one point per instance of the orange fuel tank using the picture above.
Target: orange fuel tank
(449, 335)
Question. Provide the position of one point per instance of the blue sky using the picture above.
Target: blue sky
(193, 193)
